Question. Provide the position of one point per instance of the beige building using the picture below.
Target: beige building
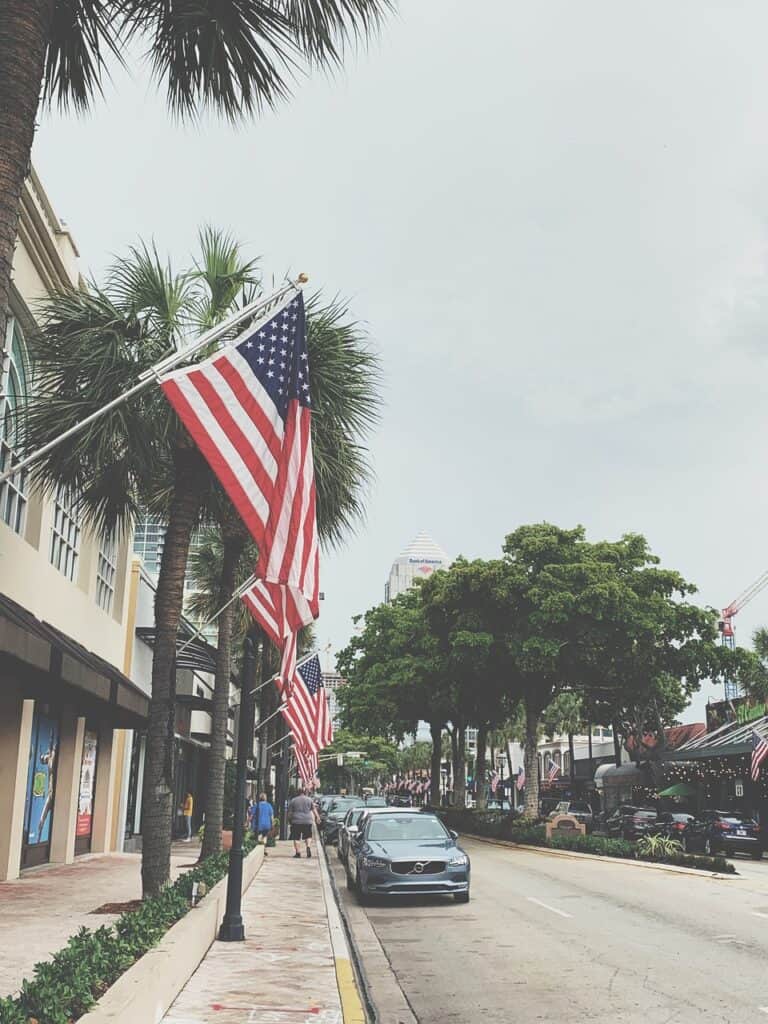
(66, 615)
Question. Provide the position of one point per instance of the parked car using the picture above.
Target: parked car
(673, 825)
(375, 801)
(348, 831)
(406, 852)
(334, 816)
(324, 802)
(629, 822)
(577, 809)
(726, 832)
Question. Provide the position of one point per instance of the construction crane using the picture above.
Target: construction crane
(725, 625)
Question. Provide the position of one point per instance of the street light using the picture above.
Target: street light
(232, 928)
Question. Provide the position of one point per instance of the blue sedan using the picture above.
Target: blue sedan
(400, 853)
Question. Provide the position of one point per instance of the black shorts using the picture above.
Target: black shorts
(301, 831)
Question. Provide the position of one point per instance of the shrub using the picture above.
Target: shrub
(65, 987)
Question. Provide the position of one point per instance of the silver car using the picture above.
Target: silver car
(400, 852)
(348, 831)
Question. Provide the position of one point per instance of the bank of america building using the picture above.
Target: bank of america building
(420, 559)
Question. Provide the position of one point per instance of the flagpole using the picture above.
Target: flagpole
(151, 375)
(198, 632)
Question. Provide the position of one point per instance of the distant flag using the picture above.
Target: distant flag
(306, 708)
(520, 782)
(247, 408)
(759, 753)
(554, 770)
(494, 781)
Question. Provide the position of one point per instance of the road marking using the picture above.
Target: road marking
(763, 1009)
(756, 913)
(553, 910)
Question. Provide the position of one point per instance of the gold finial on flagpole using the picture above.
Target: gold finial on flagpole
(303, 278)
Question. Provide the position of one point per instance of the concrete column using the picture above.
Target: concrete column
(15, 739)
(103, 803)
(70, 760)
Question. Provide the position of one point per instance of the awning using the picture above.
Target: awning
(625, 773)
(730, 739)
(39, 655)
(679, 789)
(198, 655)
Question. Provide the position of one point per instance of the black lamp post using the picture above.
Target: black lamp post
(232, 928)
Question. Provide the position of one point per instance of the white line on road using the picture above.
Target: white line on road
(553, 910)
(756, 913)
(763, 1009)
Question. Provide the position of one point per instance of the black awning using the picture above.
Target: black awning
(198, 655)
(102, 685)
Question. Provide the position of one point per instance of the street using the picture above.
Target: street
(547, 937)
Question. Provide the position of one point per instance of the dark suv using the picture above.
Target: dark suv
(629, 822)
(726, 832)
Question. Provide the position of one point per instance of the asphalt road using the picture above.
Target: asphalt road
(556, 938)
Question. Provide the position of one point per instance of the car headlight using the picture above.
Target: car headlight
(459, 860)
(375, 862)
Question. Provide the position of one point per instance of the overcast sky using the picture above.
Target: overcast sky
(554, 219)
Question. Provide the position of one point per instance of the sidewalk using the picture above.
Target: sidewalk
(285, 971)
(43, 908)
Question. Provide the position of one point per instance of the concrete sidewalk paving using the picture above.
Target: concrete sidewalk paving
(287, 969)
(45, 906)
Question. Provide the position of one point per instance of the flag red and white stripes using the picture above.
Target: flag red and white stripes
(306, 762)
(759, 753)
(305, 707)
(248, 408)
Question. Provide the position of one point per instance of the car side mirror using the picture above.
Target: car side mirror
(455, 835)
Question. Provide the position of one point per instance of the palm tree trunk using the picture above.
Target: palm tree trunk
(531, 761)
(24, 31)
(157, 796)
(480, 766)
(436, 731)
(234, 542)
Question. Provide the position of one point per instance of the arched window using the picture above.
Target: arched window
(14, 393)
(558, 758)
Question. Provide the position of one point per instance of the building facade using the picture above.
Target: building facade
(65, 696)
(420, 559)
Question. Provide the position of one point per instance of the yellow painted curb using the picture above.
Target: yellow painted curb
(351, 1008)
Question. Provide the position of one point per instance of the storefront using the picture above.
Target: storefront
(41, 786)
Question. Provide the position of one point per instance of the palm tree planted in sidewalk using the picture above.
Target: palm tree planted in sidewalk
(344, 378)
(92, 346)
(231, 56)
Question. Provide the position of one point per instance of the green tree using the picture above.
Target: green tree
(231, 56)
(396, 676)
(379, 758)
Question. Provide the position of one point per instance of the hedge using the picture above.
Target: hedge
(65, 987)
(496, 825)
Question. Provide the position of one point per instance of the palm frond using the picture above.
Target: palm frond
(223, 274)
(82, 31)
(324, 27)
(142, 285)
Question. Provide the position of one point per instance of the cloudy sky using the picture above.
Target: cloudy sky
(553, 218)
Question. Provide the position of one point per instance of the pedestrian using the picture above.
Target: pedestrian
(262, 818)
(186, 810)
(301, 814)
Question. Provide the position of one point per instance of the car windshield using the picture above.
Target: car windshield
(581, 809)
(375, 801)
(344, 805)
(389, 827)
(645, 814)
(737, 819)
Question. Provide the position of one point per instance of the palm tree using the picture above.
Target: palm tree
(232, 56)
(91, 347)
(344, 378)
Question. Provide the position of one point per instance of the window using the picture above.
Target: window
(13, 397)
(65, 534)
(106, 572)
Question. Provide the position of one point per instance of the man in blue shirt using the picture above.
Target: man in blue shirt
(262, 817)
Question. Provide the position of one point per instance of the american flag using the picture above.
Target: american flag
(494, 780)
(520, 782)
(306, 762)
(247, 408)
(759, 753)
(305, 708)
(554, 770)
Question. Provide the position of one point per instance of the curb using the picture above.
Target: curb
(547, 852)
(352, 1010)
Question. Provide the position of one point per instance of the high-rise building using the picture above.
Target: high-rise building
(332, 681)
(420, 559)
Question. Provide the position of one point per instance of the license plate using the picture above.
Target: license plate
(740, 832)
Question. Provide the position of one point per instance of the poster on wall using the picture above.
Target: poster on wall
(87, 780)
(42, 779)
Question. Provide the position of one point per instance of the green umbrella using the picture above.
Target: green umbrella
(679, 789)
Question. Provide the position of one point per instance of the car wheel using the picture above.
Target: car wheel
(362, 895)
(757, 855)
(461, 897)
